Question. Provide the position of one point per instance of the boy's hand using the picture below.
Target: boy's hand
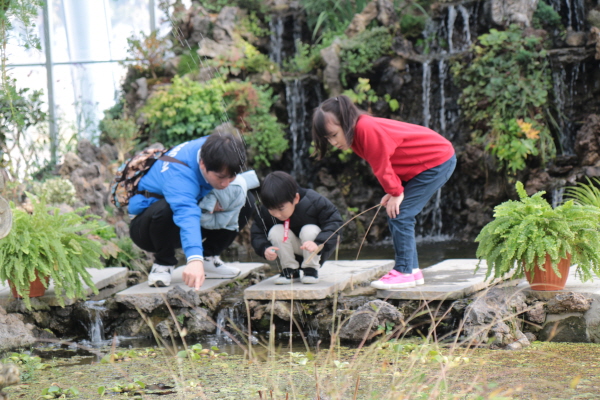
(271, 253)
(217, 208)
(309, 246)
(393, 205)
(193, 274)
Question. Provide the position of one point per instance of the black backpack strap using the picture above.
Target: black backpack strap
(148, 194)
(171, 159)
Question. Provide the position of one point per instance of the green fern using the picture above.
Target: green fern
(53, 245)
(585, 193)
(527, 230)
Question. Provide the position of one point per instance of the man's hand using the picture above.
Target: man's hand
(393, 205)
(309, 245)
(271, 253)
(193, 274)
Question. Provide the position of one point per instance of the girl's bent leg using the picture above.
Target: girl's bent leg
(417, 193)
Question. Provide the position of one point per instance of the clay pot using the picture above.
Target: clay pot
(36, 288)
(548, 280)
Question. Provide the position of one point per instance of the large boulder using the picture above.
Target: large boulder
(490, 315)
(364, 322)
(14, 332)
(506, 12)
(587, 142)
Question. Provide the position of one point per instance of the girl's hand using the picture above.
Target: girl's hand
(271, 253)
(309, 245)
(385, 199)
(393, 205)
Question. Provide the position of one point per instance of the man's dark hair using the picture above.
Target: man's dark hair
(278, 188)
(223, 152)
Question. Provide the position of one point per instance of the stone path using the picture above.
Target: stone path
(334, 276)
(108, 281)
(144, 293)
(448, 280)
(574, 284)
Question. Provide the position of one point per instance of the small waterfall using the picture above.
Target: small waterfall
(464, 13)
(450, 28)
(557, 196)
(229, 317)
(296, 100)
(95, 326)
(442, 72)
(431, 217)
(564, 90)
(426, 92)
(276, 51)
(297, 33)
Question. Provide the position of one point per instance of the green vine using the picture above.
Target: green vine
(505, 97)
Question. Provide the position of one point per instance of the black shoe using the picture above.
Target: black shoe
(287, 276)
(310, 275)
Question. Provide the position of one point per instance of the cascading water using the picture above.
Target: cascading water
(426, 92)
(229, 317)
(276, 51)
(95, 326)
(557, 196)
(296, 107)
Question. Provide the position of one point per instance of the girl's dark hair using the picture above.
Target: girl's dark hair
(223, 152)
(346, 113)
(277, 189)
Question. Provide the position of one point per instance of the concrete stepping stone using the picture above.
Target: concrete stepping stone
(107, 280)
(574, 284)
(143, 293)
(448, 280)
(334, 276)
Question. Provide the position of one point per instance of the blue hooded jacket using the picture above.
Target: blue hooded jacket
(182, 187)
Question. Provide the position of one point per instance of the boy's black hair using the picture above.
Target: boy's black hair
(346, 114)
(223, 152)
(278, 188)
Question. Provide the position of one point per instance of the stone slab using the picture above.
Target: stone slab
(144, 290)
(574, 284)
(334, 276)
(448, 280)
(107, 280)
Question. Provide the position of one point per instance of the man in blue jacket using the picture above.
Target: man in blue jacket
(165, 211)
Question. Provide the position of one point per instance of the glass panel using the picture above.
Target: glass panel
(17, 39)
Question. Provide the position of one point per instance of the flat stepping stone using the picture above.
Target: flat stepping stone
(142, 292)
(107, 280)
(574, 284)
(448, 280)
(334, 276)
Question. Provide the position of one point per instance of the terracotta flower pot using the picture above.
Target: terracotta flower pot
(548, 280)
(36, 288)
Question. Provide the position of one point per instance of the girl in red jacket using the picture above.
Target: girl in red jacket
(410, 161)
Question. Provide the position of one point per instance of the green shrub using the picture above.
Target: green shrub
(189, 62)
(187, 110)
(304, 61)
(56, 191)
(546, 17)
(412, 26)
(505, 97)
(358, 53)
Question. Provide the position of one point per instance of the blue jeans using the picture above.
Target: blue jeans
(417, 192)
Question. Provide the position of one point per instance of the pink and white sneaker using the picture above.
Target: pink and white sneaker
(418, 275)
(394, 280)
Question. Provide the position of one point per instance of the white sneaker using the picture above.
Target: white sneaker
(160, 275)
(216, 268)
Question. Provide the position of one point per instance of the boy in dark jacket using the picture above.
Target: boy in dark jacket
(292, 224)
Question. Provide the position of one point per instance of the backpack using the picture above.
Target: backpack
(125, 183)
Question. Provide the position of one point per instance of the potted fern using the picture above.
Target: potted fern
(48, 245)
(531, 238)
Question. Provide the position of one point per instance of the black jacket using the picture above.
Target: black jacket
(311, 209)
